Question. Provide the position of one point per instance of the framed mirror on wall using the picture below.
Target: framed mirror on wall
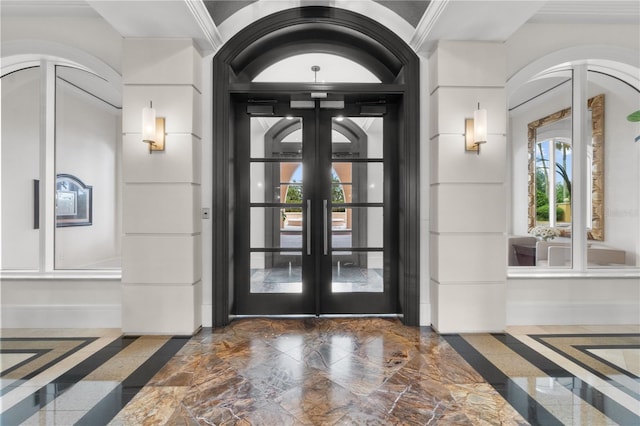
(74, 202)
(550, 171)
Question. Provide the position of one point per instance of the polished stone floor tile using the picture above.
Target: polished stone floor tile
(154, 405)
(624, 359)
(323, 371)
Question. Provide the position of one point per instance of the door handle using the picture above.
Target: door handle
(326, 233)
(308, 227)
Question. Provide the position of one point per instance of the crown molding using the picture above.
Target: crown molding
(205, 22)
(427, 22)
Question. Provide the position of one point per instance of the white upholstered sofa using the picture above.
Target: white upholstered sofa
(556, 253)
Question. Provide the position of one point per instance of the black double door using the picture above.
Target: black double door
(316, 206)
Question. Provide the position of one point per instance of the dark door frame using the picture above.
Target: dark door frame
(316, 29)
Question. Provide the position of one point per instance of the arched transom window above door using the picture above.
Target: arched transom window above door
(316, 68)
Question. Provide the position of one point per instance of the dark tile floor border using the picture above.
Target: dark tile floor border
(85, 342)
(540, 338)
(37, 353)
(586, 392)
(634, 391)
(525, 404)
(37, 400)
(105, 410)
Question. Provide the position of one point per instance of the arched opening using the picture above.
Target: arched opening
(47, 176)
(568, 112)
(320, 30)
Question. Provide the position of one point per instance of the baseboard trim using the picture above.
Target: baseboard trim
(550, 313)
(425, 314)
(207, 315)
(61, 316)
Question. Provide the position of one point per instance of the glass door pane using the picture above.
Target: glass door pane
(313, 213)
(356, 206)
(276, 219)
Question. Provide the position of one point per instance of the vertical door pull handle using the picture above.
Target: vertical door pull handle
(326, 233)
(308, 227)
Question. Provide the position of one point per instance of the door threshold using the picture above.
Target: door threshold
(360, 316)
(301, 316)
(283, 316)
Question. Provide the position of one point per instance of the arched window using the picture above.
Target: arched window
(575, 168)
(61, 143)
(331, 69)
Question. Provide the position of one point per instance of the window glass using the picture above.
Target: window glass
(614, 191)
(87, 232)
(543, 203)
(21, 169)
(331, 69)
(544, 173)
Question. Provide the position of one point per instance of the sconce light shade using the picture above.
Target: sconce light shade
(476, 130)
(480, 126)
(152, 129)
(148, 125)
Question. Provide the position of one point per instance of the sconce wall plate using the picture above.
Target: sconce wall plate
(470, 145)
(158, 144)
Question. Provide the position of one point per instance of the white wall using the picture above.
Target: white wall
(162, 258)
(61, 302)
(553, 301)
(91, 35)
(425, 201)
(206, 179)
(527, 45)
(467, 198)
(579, 299)
(56, 299)
(533, 41)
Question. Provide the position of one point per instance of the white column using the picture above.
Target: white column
(425, 302)
(47, 166)
(579, 156)
(161, 257)
(468, 199)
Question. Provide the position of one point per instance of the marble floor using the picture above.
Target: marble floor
(322, 371)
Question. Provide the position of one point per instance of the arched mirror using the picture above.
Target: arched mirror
(550, 171)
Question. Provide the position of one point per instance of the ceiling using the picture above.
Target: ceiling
(420, 22)
(411, 11)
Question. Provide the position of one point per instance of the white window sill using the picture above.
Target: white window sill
(533, 272)
(106, 275)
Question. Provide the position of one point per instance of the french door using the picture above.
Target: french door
(315, 207)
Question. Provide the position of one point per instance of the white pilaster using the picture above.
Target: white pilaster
(468, 212)
(161, 265)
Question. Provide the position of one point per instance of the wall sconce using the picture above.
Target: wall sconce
(152, 129)
(476, 130)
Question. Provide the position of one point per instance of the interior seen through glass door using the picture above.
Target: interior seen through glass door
(276, 216)
(356, 205)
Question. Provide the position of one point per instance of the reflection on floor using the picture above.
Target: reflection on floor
(345, 279)
(322, 371)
